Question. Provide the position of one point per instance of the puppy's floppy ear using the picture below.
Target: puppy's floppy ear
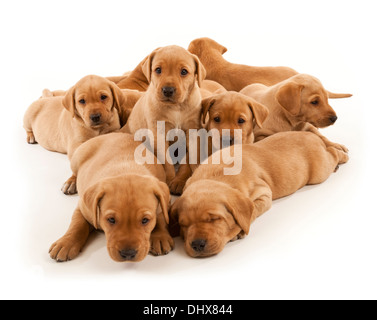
(162, 193)
(332, 95)
(259, 111)
(289, 97)
(118, 97)
(69, 101)
(147, 65)
(241, 208)
(206, 105)
(200, 70)
(91, 200)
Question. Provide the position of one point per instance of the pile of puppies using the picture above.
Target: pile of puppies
(94, 122)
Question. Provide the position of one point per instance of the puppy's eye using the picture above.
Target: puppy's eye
(158, 71)
(145, 221)
(103, 97)
(82, 101)
(315, 102)
(241, 121)
(217, 119)
(111, 221)
(184, 72)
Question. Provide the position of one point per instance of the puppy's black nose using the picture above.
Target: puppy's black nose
(128, 254)
(95, 118)
(199, 245)
(333, 119)
(168, 91)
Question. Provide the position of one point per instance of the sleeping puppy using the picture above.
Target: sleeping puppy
(298, 103)
(173, 97)
(231, 111)
(90, 108)
(234, 77)
(216, 208)
(128, 201)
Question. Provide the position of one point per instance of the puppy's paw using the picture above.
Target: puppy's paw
(69, 187)
(240, 236)
(339, 147)
(161, 243)
(65, 249)
(176, 186)
(30, 138)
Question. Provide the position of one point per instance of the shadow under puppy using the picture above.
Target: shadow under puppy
(128, 201)
(298, 103)
(232, 76)
(61, 124)
(216, 208)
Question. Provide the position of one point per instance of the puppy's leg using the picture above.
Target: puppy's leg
(305, 126)
(69, 187)
(161, 241)
(30, 139)
(70, 245)
(177, 185)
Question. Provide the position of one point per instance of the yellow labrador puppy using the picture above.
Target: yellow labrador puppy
(128, 201)
(173, 97)
(216, 208)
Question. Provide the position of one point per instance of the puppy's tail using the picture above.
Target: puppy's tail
(338, 95)
(47, 94)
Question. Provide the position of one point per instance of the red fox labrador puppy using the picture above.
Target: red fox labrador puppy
(232, 111)
(298, 103)
(90, 108)
(173, 97)
(128, 201)
(216, 208)
(234, 77)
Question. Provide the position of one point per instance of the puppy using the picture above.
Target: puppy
(173, 96)
(130, 98)
(90, 108)
(294, 103)
(119, 197)
(231, 111)
(135, 80)
(215, 208)
(234, 77)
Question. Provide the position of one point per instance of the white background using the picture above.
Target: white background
(319, 243)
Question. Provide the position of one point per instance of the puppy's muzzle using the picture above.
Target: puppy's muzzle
(168, 92)
(199, 245)
(95, 118)
(333, 119)
(128, 254)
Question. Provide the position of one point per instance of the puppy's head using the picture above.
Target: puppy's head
(232, 110)
(93, 100)
(125, 209)
(202, 46)
(305, 98)
(210, 215)
(173, 72)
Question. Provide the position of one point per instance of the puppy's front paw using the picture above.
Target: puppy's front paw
(65, 249)
(240, 236)
(69, 187)
(176, 186)
(161, 243)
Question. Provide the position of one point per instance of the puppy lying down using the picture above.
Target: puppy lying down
(215, 209)
(128, 201)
